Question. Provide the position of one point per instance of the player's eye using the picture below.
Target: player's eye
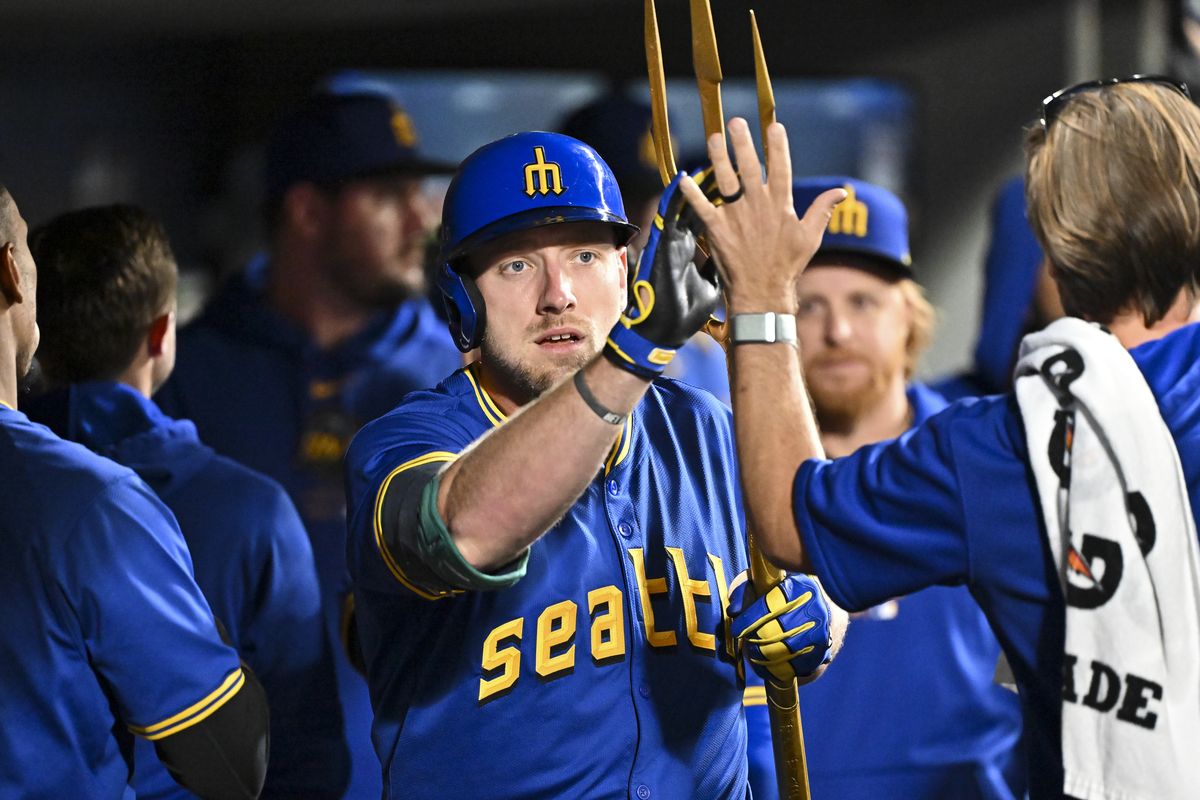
(807, 307)
(513, 267)
(587, 257)
(863, 301)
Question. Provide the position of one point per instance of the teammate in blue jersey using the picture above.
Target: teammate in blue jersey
(542, 546)
(323, 333)
(107, 294)
(953, 501)
(106, 635)
(862, 323)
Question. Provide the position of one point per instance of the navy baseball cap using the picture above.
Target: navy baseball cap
(348, 128)
(618, 128)
(871, 221)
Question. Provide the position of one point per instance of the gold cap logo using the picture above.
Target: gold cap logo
(849, 216)
(403, 129)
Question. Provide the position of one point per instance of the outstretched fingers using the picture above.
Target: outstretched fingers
(779, 174)
(816, 218)
(748, 165)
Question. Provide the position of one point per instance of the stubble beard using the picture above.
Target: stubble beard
(839, 407)
(529, 381)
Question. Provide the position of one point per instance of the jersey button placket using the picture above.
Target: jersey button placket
(643, 792)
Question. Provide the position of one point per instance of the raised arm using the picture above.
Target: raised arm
(761, 248)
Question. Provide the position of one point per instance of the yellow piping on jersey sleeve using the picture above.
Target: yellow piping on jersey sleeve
(393, 565)
(486, 403)
(620, 447)
(197, 712)
(755, 696)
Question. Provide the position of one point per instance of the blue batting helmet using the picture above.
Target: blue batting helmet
(871, 221)
(523, 181)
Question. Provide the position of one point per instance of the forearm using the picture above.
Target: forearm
(224, 755)
(513, 484)
(775, 432)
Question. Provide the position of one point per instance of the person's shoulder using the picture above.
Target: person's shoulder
(989, 423)
(451, 401)
(679, 397)
(51, 484)
(52, 461)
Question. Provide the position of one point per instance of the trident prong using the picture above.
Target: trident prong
(787, 734)
(766, 95)
(660, 125)
(706, 63)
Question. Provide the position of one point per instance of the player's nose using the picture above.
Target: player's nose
(558, 293)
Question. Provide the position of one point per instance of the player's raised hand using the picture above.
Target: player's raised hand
(788, 632)
(670, 297)
(760, 243)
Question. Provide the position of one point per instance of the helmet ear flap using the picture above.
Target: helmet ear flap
(464, 308)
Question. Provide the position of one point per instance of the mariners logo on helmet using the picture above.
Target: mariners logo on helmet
(523, 181)
(541, 176)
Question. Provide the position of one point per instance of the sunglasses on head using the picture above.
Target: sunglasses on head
(1053, 104)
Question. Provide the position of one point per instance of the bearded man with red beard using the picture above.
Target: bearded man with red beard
(862, 323)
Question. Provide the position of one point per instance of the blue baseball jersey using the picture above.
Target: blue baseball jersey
(603, 672)
(253, 562)
(910, 708)
(105, 633)
(953, 502)
(262, 393)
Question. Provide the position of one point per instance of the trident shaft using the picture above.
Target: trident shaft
(783, 703)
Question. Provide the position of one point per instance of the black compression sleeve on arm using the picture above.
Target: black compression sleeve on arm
(420, 546)
(224, 755)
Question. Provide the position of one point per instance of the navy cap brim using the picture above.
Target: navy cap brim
(878, 257)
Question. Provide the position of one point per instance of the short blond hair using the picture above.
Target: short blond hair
(1113, 189)
(924, 319)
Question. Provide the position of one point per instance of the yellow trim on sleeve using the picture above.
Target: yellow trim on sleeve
(755, 696)
(392, 565)
(195, 713)
(490, 409)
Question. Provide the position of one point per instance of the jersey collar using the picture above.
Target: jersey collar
(620, 449)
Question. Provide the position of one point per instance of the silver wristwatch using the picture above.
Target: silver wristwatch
(765, 328)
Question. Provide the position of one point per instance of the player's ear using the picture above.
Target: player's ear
(156, 336)
(10, 275)
(623, 255)
(305, 209)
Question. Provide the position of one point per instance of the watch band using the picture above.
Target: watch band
(765, 328)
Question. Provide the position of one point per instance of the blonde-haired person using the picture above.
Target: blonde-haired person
(1067, 508)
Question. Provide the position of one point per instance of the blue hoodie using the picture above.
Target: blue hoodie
(252, 561)
(1010, 280)
(261, 392)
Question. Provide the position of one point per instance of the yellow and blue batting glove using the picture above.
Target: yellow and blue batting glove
(670, 296)
(785, 634)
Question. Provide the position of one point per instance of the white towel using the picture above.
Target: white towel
(1120, 526)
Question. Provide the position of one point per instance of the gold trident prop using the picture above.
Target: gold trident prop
(783, 703)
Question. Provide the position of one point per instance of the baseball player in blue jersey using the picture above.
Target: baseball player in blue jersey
(862, 322)
(106, 635)
(107, 295)
(969, 497)
(543, 545)
(324, 332)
